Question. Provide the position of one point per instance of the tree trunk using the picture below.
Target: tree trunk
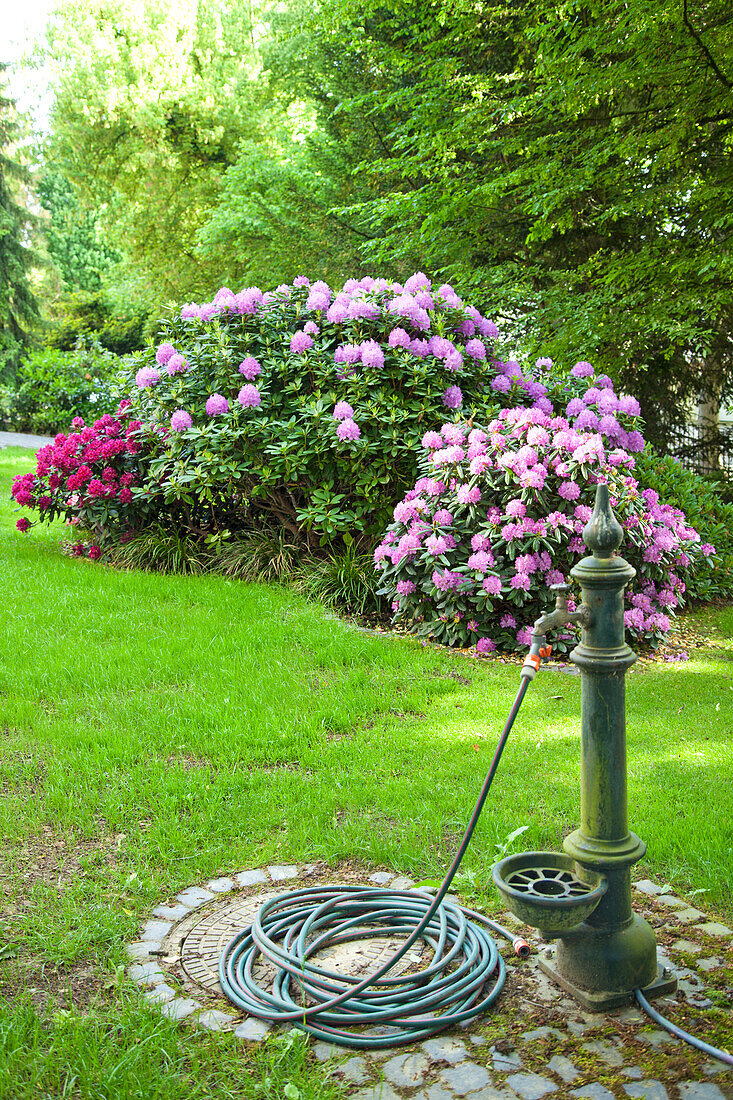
(708, 419)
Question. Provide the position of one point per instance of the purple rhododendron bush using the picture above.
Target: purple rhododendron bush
(303, 408)
(311, 411)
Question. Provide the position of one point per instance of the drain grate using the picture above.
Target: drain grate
(206, 940)
(548, 882)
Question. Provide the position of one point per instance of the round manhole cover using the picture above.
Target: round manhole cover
(205, 942)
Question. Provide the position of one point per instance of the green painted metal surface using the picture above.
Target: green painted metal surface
(613, 951)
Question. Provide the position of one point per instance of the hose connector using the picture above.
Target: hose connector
(538, 652)
(521, 948)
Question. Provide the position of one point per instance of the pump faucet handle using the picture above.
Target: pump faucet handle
(561, 595)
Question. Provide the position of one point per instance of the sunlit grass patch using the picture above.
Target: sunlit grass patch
(159, 730)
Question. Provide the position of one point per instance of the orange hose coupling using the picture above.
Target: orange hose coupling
(531, 665)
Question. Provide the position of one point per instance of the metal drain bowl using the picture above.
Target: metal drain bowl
(543, 890)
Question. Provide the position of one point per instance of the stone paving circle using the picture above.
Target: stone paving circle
(535, 1042)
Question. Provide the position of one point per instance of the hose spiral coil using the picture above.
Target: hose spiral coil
(463, 978)
(290, 928)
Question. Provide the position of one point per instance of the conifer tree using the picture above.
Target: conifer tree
(18, 305)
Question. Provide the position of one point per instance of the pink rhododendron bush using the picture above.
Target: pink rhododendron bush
(497, 517)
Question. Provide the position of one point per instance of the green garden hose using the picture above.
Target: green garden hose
(464, 978)
(465, 975)
(680, 1033)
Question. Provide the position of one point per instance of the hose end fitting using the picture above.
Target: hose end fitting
(521, 948)
(531, 665)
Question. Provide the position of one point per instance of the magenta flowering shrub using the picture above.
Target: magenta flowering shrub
(88, 477)
(497, 516)
(303, 408)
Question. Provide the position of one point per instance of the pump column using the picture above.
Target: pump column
(601, 961)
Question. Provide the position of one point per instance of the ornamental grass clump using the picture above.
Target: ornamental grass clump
(497, 517)
(303, 409)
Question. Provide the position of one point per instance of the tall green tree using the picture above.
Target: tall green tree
(570, 163)
(82, 292)
(151, 103)
(18, 305)
(73, 236)
(279, 210)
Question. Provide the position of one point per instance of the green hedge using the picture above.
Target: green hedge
(705, 510)
(55, 386)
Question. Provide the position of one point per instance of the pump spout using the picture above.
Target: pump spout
(560, 616)
(538, 649)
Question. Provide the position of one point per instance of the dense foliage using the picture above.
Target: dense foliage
(74, 239)
(53, 387)
(308, 412)
(151, 104)
(705, 510)
(498, 515)
(303, 408)
(569, 166)
(570, 163)
(95, 317)
(281, 207)
(86, 476)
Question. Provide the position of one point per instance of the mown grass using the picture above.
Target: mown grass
(156, 731)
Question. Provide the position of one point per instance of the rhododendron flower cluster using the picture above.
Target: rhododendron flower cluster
(86, 476)
(147, 376)
(498, 515)
(248, 396)
(180, 421)
(216, 405)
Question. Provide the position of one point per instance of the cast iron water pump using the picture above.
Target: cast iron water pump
(582, 898)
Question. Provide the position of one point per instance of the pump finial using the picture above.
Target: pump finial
(602, 533)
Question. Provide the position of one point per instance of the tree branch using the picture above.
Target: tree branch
(711, 60)
(350, 228)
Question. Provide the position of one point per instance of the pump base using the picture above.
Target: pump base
(605, 1000)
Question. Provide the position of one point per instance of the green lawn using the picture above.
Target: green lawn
(157, 731)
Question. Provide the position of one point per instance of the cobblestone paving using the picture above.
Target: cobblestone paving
(536, 1042)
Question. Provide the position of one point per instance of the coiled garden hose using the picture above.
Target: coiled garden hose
(464, 977)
